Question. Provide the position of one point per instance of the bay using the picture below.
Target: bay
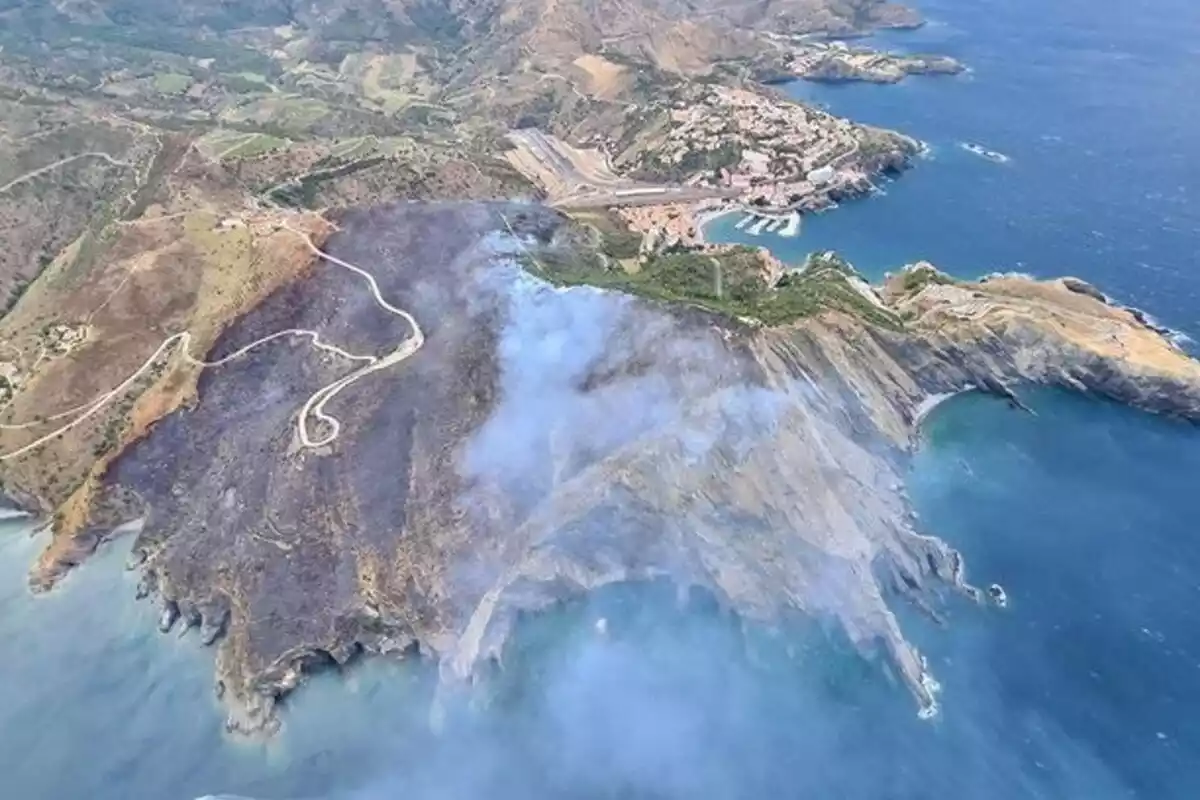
(1083, 687)
(1093, 104)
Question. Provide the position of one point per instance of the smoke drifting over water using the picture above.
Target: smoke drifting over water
(630, 441)
(666, 700)
(629, 444)
(641, 691)
(647, 691)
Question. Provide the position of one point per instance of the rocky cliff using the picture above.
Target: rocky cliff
(401, 444)
(536, 442)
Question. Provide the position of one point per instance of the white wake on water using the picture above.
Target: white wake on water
(995, 156)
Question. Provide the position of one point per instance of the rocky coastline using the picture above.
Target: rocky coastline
(845, 65)
(289, 563)
(837, 60)
(545, 408)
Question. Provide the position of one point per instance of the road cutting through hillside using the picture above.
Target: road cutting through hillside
(316, 403)
(28, 176)
(314, 406)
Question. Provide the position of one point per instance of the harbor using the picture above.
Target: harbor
(756, 223)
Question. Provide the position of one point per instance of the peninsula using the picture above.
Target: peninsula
(392, 326)
(838, 62)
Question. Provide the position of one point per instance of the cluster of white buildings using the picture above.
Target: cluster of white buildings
(782, 149)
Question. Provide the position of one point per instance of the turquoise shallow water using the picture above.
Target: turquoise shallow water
(94, 703)
(1084, 688)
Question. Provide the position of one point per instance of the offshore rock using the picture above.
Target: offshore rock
(545, 442)
(1085, 288)
(188, 618)
(213, 626)
(168, 616)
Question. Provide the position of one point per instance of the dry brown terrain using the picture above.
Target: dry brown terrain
(200, 257)
(605, 80)
(513, 442)
(63, 171)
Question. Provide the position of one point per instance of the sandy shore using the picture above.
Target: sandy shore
(684, 223)
(707, 215)
(930, 403)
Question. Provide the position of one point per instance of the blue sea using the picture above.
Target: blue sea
(1086, 686)
(1093, 103)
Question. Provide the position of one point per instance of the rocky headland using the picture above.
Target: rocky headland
(837, 62)
(768, 151)
(539, 439)
(354, 426)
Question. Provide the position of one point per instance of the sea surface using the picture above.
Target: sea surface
(1085, 687)
(1092, 102)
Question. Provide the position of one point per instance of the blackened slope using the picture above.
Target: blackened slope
(545, 442)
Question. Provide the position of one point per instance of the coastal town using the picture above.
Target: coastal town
(778, 159)
(716, 149)
(777, 154)
(695, 149)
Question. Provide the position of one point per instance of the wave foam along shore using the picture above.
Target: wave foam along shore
(994, 156)
(930, 404)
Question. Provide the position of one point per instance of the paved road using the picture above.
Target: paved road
(592, 191)
(645, 196)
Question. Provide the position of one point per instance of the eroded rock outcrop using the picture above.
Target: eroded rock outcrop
(544, 442)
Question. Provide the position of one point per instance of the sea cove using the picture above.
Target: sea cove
(1084, 686)
(1097, 559)
(1088, 106)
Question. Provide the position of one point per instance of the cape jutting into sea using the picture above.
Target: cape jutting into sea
(1085, 686)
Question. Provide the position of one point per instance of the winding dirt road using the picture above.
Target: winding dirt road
(28, 176)
(314, 406)
(316, 403)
